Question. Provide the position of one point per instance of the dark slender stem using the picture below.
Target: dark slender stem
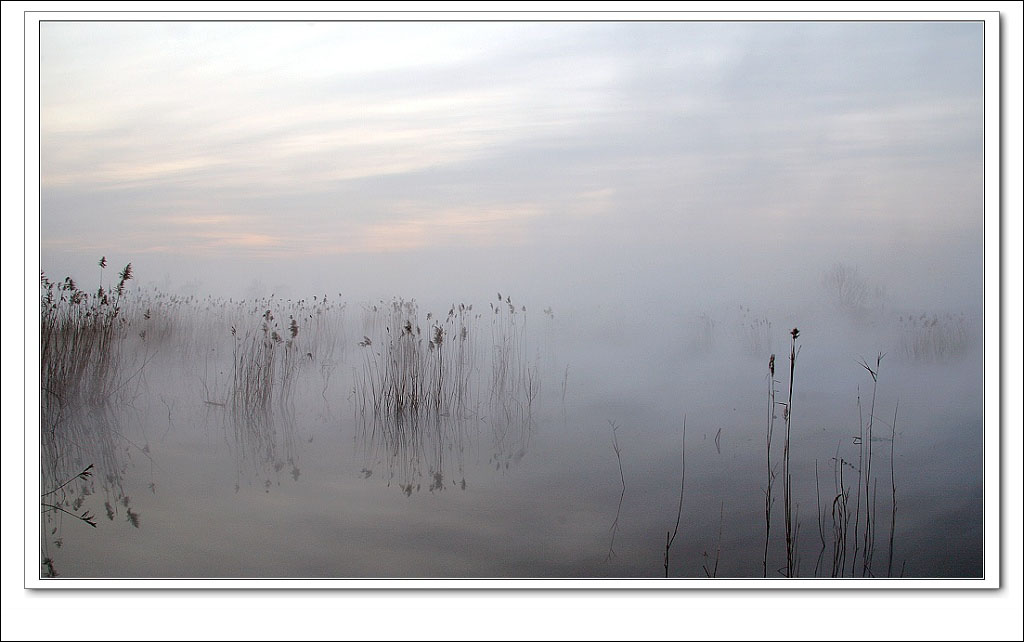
(83, 474)
(85, 518)
(670, 538)
(768, 499)
(821, 524)
(787, 480)
(622, 477)
(860, 466)
(892, 478)
(869, 504)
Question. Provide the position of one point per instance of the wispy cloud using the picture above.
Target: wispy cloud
(292, 139)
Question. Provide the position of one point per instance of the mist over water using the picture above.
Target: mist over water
(639, 215)
(324, 486)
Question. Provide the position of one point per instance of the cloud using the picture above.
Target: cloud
(418, 227)
(295, 140)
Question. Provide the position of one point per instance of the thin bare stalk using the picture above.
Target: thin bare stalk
(670, 537)
(787, 480)
(869, 514)
(860, 467)
(821, 523)
(892, 479)
(86, 517)
(768, 499)
(622, 478)
(85, 474)
(713, 572)
(840, 518)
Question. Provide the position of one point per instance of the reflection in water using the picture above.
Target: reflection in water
(428, 451)
(415, 451)
(85, 458)
(618, 510)
(510, 439)
(264, 444)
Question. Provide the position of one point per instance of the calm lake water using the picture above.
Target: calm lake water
(557, 448)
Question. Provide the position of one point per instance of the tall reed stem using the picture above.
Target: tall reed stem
(892, 479)
(768, 499)
(670, 538)
(869, 521)
(787, 480)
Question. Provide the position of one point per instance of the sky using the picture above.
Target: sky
(394, 159)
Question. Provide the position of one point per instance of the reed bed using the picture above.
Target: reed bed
(86, 378)
(755, 333)
(407, 370)
(933, 338)
(80, 340)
